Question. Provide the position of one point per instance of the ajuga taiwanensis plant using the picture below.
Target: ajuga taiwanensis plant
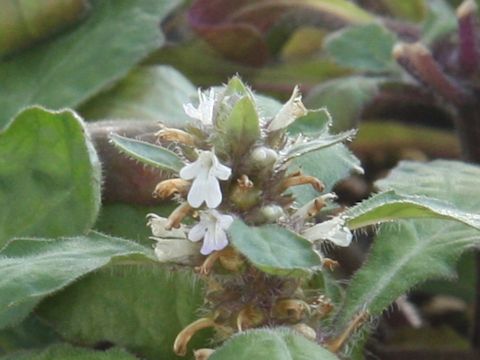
(232, 181)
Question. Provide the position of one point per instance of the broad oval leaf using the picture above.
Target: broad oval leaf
(49, 176)
(70, 68)
(272, 344)
(34, 268)
(389, 206)
(154, 93)
(140, 307)
(274, 250)
(410, 252)
(147, 153)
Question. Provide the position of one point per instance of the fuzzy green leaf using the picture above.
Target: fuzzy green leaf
(365, 47)
(68, 352)
(147, 153)
(69, 69)
(242, 127)
(274, 250)
(278, 344)
(390, 206)
(49, 176)
(410, 252)
(154, 93)
(34, 268)
(141, 308)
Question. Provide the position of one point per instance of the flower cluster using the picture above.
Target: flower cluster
(236, 169)
(201, 179)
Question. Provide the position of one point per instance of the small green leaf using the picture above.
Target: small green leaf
(410, 252)
(34, 268)
(73, 67)
(68, 352)
(242, 127)
(139, 307)
(365, 48)
(274, 250)
(49, 176)
(147, 153)
(154, 93)
(272, 344)
(389, 206)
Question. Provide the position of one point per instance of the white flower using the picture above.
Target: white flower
(205, 172)
(212, 229)
(290, 111)
(333, 230)
(206, 108)
(171, 245)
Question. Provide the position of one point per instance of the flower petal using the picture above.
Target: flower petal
(173, 250)
(342, 237)
(213, 193)
(225, 221)
(196, 195)
(220, 171)
(157, 224)
(192, 112)
(190, 171)
(221, 240)
(197, 232)
(324, 230)
(289, 112)
(208, 243)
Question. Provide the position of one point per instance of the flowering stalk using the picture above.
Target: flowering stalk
(234, 170)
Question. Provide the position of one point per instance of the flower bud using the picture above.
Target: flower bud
(267, 214)
(263, 157)
(175, 135)
(168, 188)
